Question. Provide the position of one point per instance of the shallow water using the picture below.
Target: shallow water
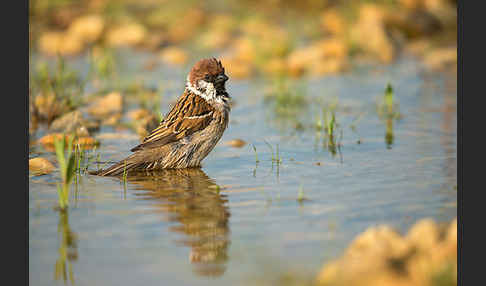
(235, 219)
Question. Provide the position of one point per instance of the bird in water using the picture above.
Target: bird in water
(190, 130)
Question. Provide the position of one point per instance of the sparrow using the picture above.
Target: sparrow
(191, 128)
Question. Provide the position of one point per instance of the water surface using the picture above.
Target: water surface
(236, 219)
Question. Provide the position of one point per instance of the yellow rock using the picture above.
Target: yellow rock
(40, 166)
(301, 59)
(186, 26)
(328, 66)
(276, 43)
(154, 41)
(429, 5)
(275, 66)
(215, 39)
(126, 35)
(137, 114)
(50, 138)
(179, 33)
(144, 121)
(244, 49)
(418, 47)
(222, 22)
(173, 55)
(237, 143)
(73, 122)
(44, 102)
(86, 142)
(332, 22)
(146, 124)
(369, 33)
(380, 256)
(452, 232)
(117, 136)
(257, 27)
(71, 45)
(424, 234)
(333, 48)
(87, 28)
(412, 4)
(50, 42)
(236, 68)
(109, 104)
(381, 241)
(53, 43)
(112, 119)
(48, 141)
(48, 107)
(440, 58)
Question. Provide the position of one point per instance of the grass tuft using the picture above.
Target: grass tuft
(256, 154)
(67, 168)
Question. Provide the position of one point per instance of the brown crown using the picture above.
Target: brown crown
(210, 66)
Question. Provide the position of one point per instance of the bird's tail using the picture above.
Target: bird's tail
(117, 169)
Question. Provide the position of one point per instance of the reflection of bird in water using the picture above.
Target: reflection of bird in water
(193, 200)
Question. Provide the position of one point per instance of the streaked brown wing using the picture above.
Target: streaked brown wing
(190, 114)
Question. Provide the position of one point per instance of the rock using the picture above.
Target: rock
(418, 47)
(412, 4)
(50, 138)
(328, 66)
(332, 22)
(48, 141)
(155, 41)
(137, 114)
(146, 124)
(236, 68)
(112, 119)
(380, 256)
(441, 58)
(370, 35)
(214, 39)
(116, 136)
(73, 122)
(244, 51)
(414, 24)
(237, 143)
(144, 121)
(424, 234)
(86, 142)
(275, 66)
(40, 166)
(276, 44)
(107, 105)
(65, 44)
(301, 58)
(47, 107)
(126, 35)
(87, 28)
(451, 235)
(321, 57)
(222, 22)
(333, 48)
(185, 27)
(174, 56)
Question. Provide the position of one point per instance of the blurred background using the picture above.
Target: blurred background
(269, 37)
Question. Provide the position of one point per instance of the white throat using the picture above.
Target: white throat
(206, 90)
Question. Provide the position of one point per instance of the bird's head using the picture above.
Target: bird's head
(207, 79)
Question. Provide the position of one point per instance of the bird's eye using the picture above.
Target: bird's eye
(206, 77)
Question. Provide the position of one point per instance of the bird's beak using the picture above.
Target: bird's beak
(221, 78)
